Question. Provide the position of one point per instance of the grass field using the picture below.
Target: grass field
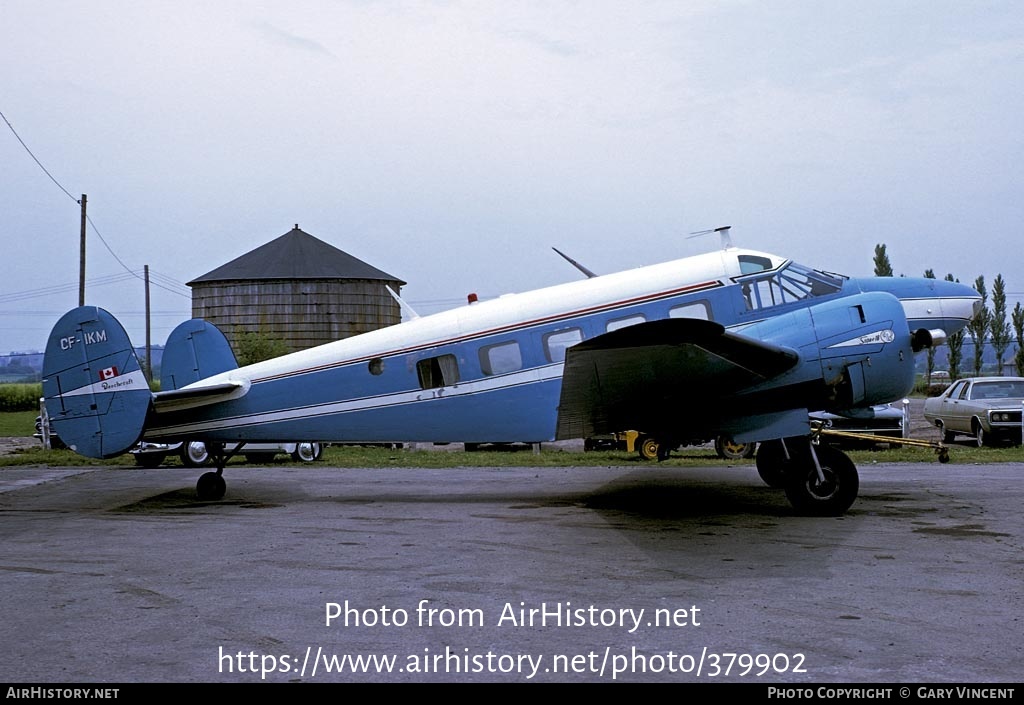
(453, 457)
(18, 423)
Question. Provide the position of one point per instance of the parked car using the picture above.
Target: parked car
(648, 446)
(47, 434)
(885, 420)
(195, 454)
(986, 408)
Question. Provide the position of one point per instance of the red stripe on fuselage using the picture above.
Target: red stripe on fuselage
(693, 288)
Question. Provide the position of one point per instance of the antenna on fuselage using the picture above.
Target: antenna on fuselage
(402, 304)
(574, 263)
(723, 233)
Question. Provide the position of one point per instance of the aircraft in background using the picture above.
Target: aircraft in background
(733, 342)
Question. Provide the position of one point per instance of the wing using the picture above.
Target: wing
(651, 374)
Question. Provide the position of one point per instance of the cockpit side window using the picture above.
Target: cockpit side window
(751, 264)
(787, 285)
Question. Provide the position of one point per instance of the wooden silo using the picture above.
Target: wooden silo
(297, 289)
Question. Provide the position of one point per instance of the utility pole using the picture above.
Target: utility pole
(81, 259)
(149, 348)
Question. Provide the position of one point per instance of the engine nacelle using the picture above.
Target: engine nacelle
(923, 338)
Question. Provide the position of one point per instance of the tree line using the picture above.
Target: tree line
(991, 325)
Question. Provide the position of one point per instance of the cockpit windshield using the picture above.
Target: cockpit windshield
(789, 284)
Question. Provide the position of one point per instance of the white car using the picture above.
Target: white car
(194, 454)
(986, 408)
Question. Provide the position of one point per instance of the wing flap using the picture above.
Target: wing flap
(642, 376)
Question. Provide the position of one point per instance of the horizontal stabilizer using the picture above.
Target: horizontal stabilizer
(195, 350)
(95, 392)
(198, 395)
(646, 375)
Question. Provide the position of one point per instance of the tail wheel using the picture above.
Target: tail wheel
(210, 486)
(830, 495)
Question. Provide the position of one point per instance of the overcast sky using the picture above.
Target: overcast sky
(453, 144)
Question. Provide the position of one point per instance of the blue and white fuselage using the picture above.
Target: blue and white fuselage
(492, 371)
(735, 343)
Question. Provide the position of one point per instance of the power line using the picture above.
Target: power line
(76, 200)
(61, 288)
(15, 132)
(98, 281)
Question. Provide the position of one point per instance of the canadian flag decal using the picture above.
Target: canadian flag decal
(108, 373)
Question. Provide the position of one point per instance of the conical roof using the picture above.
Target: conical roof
(295, 255)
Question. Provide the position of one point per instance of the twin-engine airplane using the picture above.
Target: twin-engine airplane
(735, 342)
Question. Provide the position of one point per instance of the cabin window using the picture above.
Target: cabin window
(501, 358)
(696, 309)
(625, 322)
(440, 371)
(376, 366)
(556, 343)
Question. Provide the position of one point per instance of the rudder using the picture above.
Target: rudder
(95, 391)
(196, 349)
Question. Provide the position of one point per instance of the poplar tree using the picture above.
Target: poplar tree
(956, 345)
(882, 266)
(999, 326)
(978, 327)
(1018, 328)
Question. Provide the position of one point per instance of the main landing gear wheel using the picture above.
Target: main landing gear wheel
(829, 494)
(775, 460)
(210, 487)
